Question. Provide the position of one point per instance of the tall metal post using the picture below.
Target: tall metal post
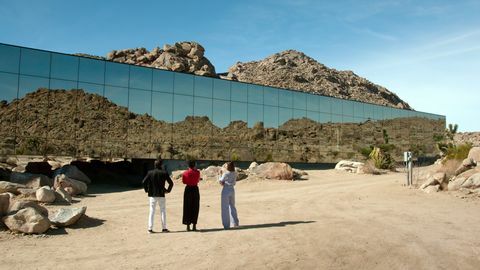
(407, 157)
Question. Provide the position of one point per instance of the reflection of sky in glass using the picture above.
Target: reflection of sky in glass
(64, 67)
(325, 118)
(203, 107)
(140, 101)
(313, 103)
(163, 81)
(270, 96)
(35, 62)
(285, 99)
(63, 84)
(8, 86)
(116, 74)
(239, 111)
(221, 113)
(255, 114)
(325, 104)
(368, 111)
(162, 106)
(91, 88)
(91, 71)
(10, 57)
(117, 95)
(299, 100)
(336, 106)
(255, 94)
(284, 114)
(183, 84)
(239, 92)
(203, 86)
(299, 114)
(31, 84)
(270, 116)
(140, 78)
(347, 108)
(182, 107)
(315, 116)
(358, 109)
(221, 89)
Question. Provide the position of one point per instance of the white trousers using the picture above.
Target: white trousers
(153, 203)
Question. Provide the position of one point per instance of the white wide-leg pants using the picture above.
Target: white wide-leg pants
(153, 203)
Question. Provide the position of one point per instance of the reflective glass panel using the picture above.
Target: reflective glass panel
(182, 107)
(140, 101)
(358, 109)
(255, 94)
(221, 113)
(325, 104)
(91, 71)
(35, 62)
(315, 116)
(325, 117)
(284, 114)
(162, 106)
(30, 84)
(203, 107)
(336, 118)
(387, 113)
(91, 88)
(140, 78)
(270, 96)
(239, 92)
(368, 111)
(285, 98)
(10, 58)
(348, 119)
(270, 115)
(336, 106)
(163, 81)
(299, 100)
(203, 86)
(299, 114)
(64, 67)
(255, 114)
(116, 74)
(347, 107)
(117, 95)
(239, 111)
(221, 89)
(313, 103)
(62, 84)
(378, 112)
(8, 86)
(183, 84)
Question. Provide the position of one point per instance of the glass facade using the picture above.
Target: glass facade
(67, 105)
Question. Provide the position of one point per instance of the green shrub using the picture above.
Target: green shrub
(458, 152)
(381, 159)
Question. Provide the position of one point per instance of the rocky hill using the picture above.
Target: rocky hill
(295, 70)
(182, 57)
(467, 137)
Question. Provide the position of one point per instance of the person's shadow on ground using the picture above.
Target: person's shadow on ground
(258, 226)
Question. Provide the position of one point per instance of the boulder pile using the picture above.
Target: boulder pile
(187, 56)
(464, 178)
(22, 197)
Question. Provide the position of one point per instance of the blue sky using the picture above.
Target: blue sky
(427, 52)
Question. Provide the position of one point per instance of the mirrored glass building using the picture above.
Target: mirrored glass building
(59, 104)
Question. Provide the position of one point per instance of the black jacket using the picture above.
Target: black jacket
(154, 183)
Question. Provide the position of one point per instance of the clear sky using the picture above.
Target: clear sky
(425, 51)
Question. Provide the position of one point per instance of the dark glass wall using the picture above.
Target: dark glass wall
(67, 105)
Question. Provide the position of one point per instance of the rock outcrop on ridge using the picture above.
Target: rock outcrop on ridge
(184, 56)
(295, 70)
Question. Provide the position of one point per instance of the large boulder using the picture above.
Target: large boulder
(456, 183)
(252, 166)
(431, 189)
(67, 216)
(10, 187)
(45, 194)
(19, 205)
(27, 220)
(472, 182)
(31, 180)
(349, 166)
(439, 179)
(4, 203)
(274, 170)
(466, 165)
(211, 172)
(73, 172)
(474, 154)
(62, 196)
(72, 186)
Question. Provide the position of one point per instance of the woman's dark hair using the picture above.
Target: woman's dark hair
(231, 166)
(192, 164)
(158, 163)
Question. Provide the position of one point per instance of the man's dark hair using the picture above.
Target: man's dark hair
(158, 164)
(231, 166)
(192, 164)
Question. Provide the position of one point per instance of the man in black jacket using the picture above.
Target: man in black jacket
(154, 185)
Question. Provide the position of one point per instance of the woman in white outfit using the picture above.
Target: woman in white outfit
(228, 180)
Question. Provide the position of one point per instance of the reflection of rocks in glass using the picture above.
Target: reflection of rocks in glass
(99, 128)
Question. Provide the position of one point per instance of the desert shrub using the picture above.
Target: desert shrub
(234, 157)
(365, 151)
(457, 152)
(369, 168)
(381, 159)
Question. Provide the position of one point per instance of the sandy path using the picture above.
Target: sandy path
(333, 221)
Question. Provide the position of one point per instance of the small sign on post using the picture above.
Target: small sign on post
(407, 158)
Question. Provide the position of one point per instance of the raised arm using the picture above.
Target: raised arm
(170, 183)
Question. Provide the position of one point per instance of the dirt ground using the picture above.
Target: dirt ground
(335, 220)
